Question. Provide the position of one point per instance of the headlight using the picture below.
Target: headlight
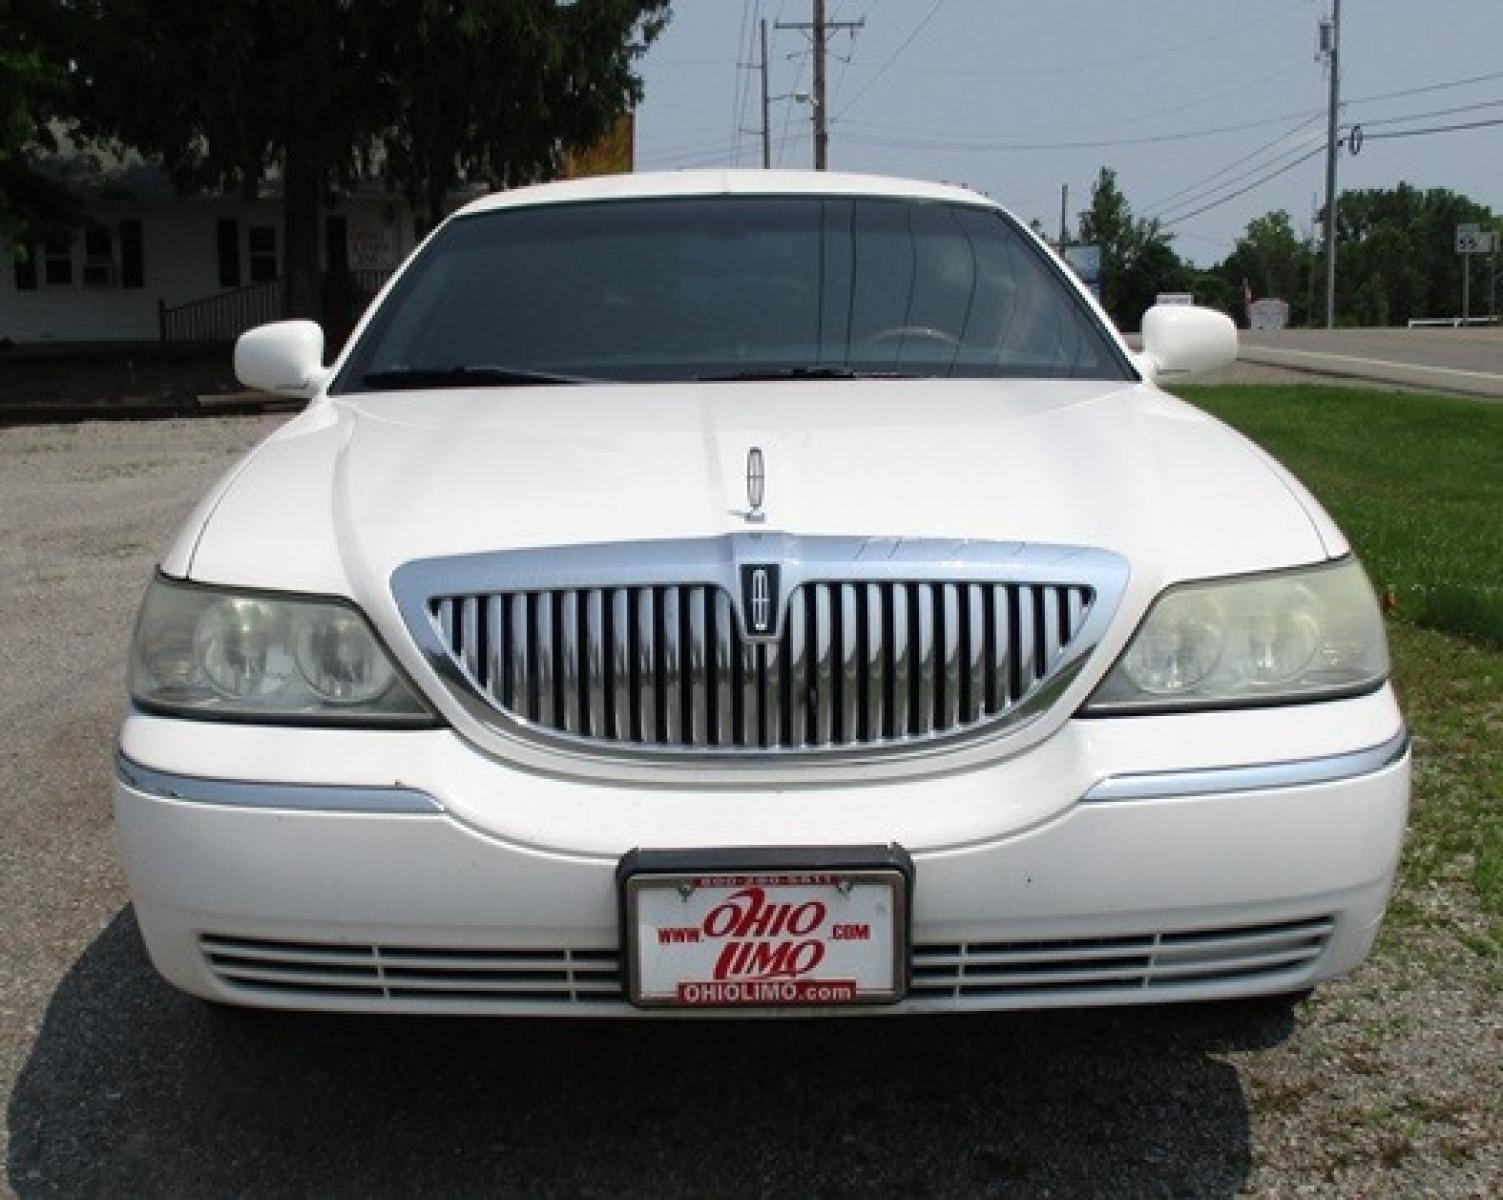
(1315, 633)
(207, 652)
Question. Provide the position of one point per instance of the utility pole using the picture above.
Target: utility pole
(1330, 45)
(819, 31)
(766, 124)
(1064, 205)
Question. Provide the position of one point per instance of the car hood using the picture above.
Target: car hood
(359, 485)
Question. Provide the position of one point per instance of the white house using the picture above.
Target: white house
(152, 264)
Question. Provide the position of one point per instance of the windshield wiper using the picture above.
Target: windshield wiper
(817, 371)
(402, 378)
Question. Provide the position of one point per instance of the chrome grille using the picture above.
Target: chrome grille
(860, 663)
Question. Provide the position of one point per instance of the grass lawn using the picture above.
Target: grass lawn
(1416, 482)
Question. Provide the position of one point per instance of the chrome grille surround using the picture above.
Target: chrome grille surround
(641, 650)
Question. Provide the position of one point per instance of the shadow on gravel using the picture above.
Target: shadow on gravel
(134, 1089)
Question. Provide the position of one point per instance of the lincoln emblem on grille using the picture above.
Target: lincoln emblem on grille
(759, 600)
(756, 484)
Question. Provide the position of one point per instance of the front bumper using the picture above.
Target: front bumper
(406, 889)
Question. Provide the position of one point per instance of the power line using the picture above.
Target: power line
(1406, 133)
(738, 101)
(1435, 112)
(1099, 144)
(1199, 102)
(1429, 87)
(1210, 198)
(1242, 160)
(896, 54)
(1098, 65)
(1257, 183)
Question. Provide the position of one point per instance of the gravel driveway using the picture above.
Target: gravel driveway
(1384, 1084)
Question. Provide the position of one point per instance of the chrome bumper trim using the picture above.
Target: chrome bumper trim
(1260, 777)
(304, 797)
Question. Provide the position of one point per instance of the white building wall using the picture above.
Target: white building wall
(181, 264)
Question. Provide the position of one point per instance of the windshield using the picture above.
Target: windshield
(729, 287)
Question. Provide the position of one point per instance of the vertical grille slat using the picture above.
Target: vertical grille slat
(725, 710)
(1053, 604)
(924, 680)
(950, 674)
(595, 659)
(857, 663)
(750, 691)
(621, 690)
(900, 688)
(876, 663)
(798, 672)
(824, 667)
(999, 662)
(469, 621)
(1023, 643)
(545, 648)
(672, 661)
(975, 654)
(850, 666)
(519, 659)
(773, 707)
(570, 675)
(645, 670)
(697, 682)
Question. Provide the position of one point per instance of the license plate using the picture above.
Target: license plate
(766, 937)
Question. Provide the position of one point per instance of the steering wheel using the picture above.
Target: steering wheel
(900, 333)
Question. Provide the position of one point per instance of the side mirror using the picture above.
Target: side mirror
(285, 358)
(1180, 340)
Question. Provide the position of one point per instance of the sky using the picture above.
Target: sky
(1190, 101)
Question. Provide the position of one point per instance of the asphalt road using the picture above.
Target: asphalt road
(1465, 361)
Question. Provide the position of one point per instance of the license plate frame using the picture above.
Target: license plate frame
(865, 871)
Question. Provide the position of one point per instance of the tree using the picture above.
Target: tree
(318, 91)
(497, 90)
(1272, 260)
(32, 90)
(1138, 260)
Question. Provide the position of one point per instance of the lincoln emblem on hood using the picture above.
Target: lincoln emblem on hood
(756, 484)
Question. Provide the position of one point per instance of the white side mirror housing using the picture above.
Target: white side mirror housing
(1181, 340)
(285, 358)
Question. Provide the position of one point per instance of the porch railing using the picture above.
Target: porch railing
(221, 317)
(224, 316)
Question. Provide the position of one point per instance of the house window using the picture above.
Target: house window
(132, 258)
(263, 253)
(228, 238)
(26, 268)
(99, 257)
(57, 259)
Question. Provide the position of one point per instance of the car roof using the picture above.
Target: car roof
(663, 184)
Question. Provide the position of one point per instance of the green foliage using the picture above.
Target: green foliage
(1414, 481)
(1400, 243)
(32, 89)
(321, 91)
(1271, 260)
(1397, 259)
(1138, 260)
(1452, 696)
(497, 90)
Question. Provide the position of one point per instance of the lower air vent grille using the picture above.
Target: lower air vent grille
(411, 973)
(1151, 961)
